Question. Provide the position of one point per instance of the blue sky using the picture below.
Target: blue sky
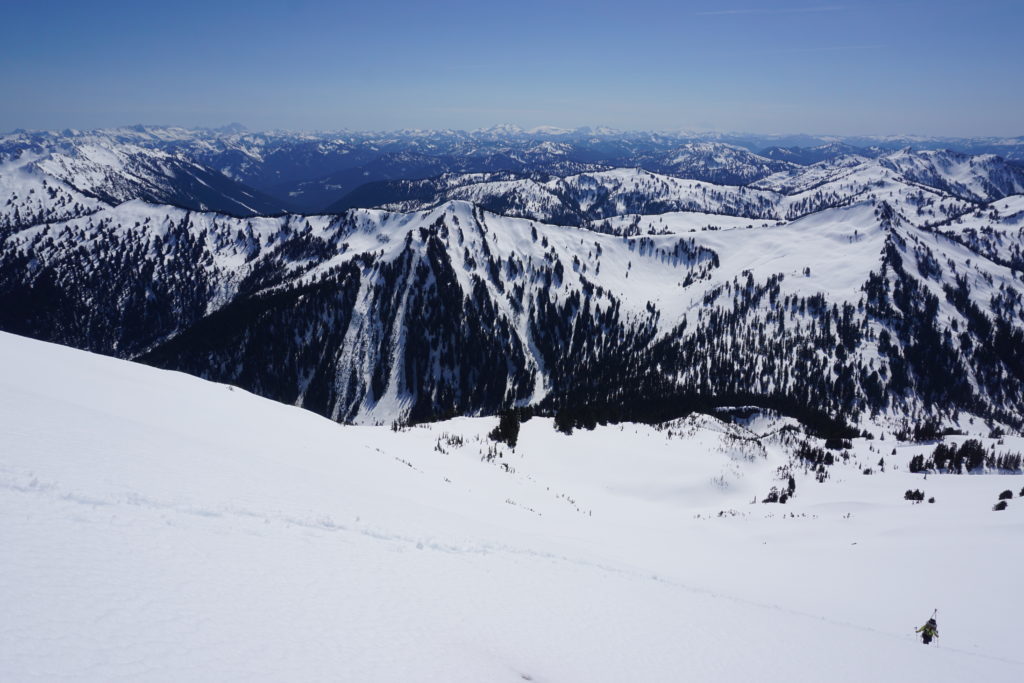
(941, 67)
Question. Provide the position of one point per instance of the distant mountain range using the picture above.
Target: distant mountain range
(870, 286)
(252, 173)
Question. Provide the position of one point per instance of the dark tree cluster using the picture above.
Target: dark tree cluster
(969, 456)
(507, 430)
(915, 495)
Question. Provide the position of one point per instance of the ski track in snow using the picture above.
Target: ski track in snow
(239, 516)
(158, 527)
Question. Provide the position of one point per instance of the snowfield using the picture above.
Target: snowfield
(158, 527)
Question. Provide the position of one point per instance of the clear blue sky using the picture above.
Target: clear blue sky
(939, 67)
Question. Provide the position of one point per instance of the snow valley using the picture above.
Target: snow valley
(161, 527)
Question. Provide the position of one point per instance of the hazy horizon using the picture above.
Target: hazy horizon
(538, 129)
(948, 68)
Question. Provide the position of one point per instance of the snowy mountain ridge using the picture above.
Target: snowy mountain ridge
(80, 177)
(373, 316)
(312, 171)
(928, 187)
(830, 291)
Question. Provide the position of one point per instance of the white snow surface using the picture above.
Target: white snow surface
(158, 527)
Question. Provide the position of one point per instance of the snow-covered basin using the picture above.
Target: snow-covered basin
(158, 527)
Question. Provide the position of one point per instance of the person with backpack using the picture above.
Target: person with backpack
(929, 630)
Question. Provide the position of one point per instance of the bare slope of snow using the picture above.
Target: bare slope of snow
(978, 178)
(601, 194)
(105, 171)
(676, 222)
(997, 231)
(716, 162)
(158, 527)
(981, 177)
(31, 196)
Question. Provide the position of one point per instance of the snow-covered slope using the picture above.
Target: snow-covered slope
(980, 178)
(119, 173)
(376, 316)
(806, 156)
(32, 196)
(584, 197)
(102, 171)
(157, 527)
(715, 162)
(997, 231)
(983, 177)
(847, 288)
(926, 187)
